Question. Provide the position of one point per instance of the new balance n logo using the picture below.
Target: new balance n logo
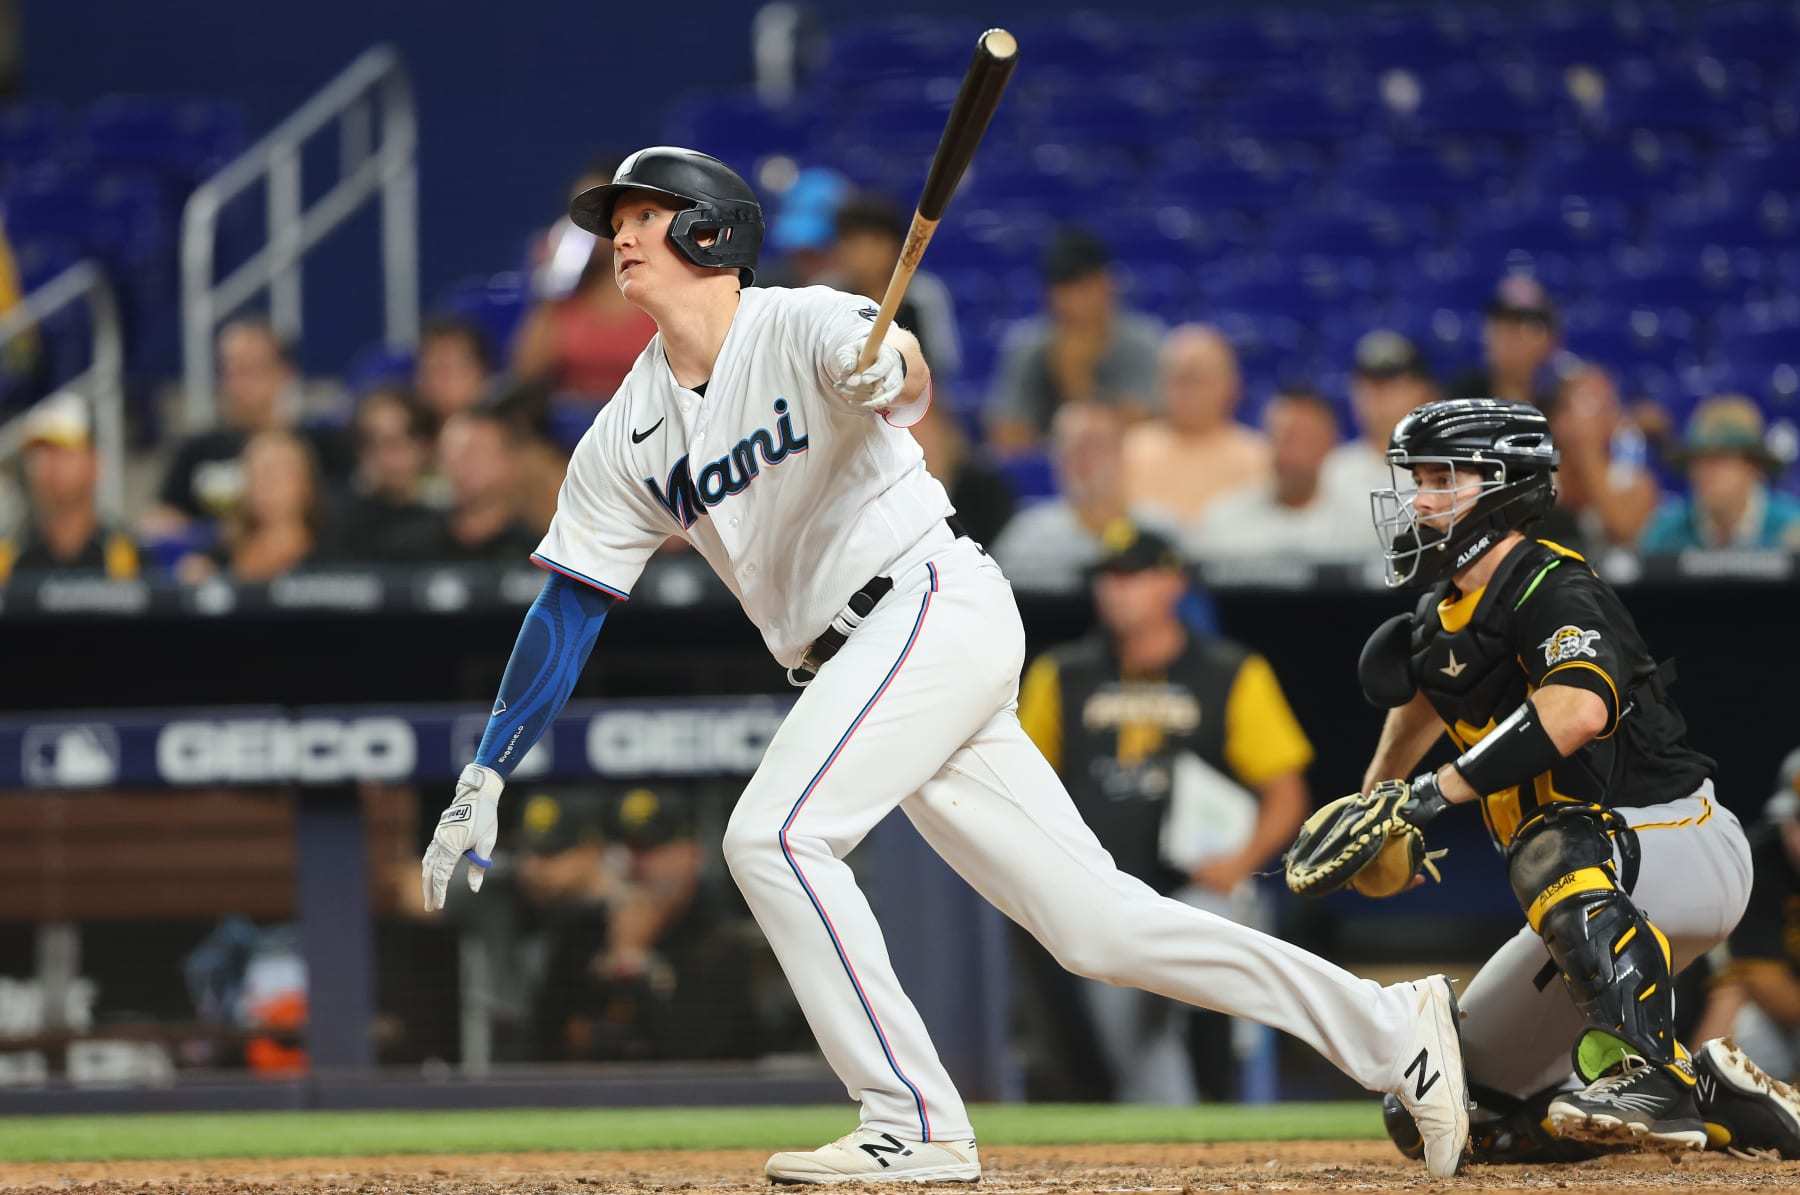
(894, 1146)
(1706, 1089)
(1422, 1083)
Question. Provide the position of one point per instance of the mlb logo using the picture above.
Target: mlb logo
(70, 756)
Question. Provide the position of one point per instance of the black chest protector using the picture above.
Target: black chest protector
(1470, 674)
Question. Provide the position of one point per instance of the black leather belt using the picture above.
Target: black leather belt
(855, 610)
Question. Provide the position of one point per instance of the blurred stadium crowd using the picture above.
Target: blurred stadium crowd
(1198, 273)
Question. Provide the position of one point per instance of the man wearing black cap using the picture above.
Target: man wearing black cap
(1085, 350)
(1390, 379)
(1183, 756)
(1519, 339)
(636, 967)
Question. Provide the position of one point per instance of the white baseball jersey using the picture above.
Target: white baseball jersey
(793, 497)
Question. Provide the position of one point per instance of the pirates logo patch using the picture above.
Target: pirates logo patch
(1568, 643)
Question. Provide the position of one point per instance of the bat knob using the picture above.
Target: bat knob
(999, 43)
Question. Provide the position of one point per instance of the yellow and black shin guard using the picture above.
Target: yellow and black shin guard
(1616, 963)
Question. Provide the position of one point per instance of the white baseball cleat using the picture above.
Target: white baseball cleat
(870, 1156)
(1433, 1087)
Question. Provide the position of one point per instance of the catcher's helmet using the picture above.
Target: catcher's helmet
(717, 200)
(1506, 444)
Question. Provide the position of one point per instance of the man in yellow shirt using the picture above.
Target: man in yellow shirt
(1183, 756)
(64, 532)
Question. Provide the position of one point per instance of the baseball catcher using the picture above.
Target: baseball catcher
(1621, 857)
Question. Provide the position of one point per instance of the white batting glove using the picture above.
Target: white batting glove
(875, 388)
(469, 827)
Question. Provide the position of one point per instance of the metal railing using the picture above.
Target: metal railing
(372, 90)
(102, 383)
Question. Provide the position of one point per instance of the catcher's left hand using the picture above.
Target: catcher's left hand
(1373, 842)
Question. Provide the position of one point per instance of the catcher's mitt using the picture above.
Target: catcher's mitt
(1360, 841)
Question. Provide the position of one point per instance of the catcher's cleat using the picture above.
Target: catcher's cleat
(1433, 1089)
(1502, 1132)
(1635, 1103)
(870, 1156)
(1745, 1112)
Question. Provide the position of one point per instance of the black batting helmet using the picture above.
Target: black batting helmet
(717, 201)
(1506, 445)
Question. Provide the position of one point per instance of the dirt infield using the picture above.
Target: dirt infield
(1297, 1166)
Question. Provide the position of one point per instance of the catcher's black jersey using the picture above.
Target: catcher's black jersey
(1545, 618)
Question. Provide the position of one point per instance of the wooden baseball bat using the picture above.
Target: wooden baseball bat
(996, 53)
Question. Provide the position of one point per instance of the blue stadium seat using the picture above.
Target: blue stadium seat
(1113, 117)
(378, 365)
(497, 302)
(1693, 95)
(185, 139)
(130, 216)
(1252, 45)
(1694, 281)
(739, 128)
(1469, 100)
(902, 48)
(1405, 36)
(1767, 222)
(1640, 166)
(1030, 476)
(1766, 344)
(1639, 335)
(1371, 231)
(1572, 224)
(1764, 166)
(1085, 46)
(48, 205)
(1323, 111)
(1561, 35)
(1753, 31)
(994, 239)
(1444, 176)
(43, 258)
(1772, 382)
(31, 133)
(1415, 282)
(1246, 180)
(1166, 291)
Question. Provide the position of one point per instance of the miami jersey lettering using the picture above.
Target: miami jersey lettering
(793, 498)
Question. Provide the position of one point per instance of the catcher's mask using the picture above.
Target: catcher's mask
(1498, 476)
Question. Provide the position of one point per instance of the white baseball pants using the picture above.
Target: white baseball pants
(918, 710)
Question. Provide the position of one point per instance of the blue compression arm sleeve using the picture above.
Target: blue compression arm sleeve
(553, 647)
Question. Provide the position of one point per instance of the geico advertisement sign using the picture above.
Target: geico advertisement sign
(307, 750)
(680, 742)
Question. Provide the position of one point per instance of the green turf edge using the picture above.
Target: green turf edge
(348, 1134)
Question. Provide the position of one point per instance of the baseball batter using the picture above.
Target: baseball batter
(745, 429)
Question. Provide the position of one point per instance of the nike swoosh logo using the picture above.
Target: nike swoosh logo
(640, 437)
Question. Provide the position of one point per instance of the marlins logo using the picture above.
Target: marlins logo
(1568, 643)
